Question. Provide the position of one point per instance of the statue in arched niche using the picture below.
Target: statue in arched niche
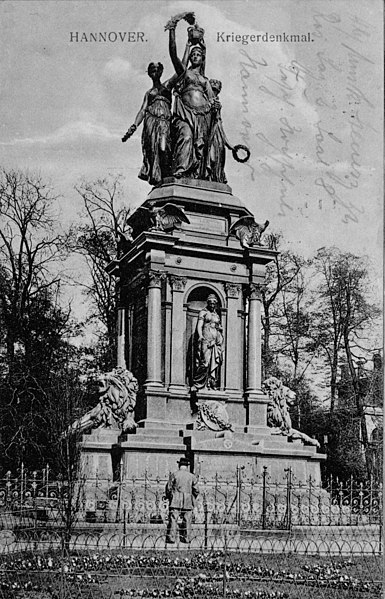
(208, 347)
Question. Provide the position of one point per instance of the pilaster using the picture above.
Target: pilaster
(177, 333)
(254, 339)
(256, 401)
(233, 353)
(154, 329)
(121, 338)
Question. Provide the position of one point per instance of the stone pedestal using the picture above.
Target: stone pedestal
(165, 278)
(152, 451)
(97, 450)
(223, 452)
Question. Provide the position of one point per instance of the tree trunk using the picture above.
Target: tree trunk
(359, 405)
(333, 382)
(266, 362)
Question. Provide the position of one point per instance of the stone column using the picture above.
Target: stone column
(121, 338)
(233, 349)
(254, 339)
(154, 329)
(177, 334)
(167, 305)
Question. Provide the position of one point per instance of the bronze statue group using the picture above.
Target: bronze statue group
(182, 134)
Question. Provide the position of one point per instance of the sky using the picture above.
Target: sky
(311, 112)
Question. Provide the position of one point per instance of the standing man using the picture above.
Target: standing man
(181, 491)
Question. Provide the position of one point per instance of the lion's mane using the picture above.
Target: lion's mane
(115, 408)
(277, 411)
(278, 417)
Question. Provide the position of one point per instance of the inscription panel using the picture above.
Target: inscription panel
(193, 265)
(208, 223)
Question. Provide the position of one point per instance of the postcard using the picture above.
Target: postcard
(295, 87)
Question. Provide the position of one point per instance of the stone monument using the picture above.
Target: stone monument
(190, 281)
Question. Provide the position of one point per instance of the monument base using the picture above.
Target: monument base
(97, 454)
(156, 446)
(166, 275)
(223, 452)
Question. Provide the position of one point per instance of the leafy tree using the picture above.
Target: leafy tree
(338, 432)
(327, 319)
(294, 338)
(280, 274)
(33, 324)
(67, 399)
(343, 317)
(97, 241)
(28, 249)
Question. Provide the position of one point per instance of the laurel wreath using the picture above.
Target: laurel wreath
(214, 418)
(236, 156)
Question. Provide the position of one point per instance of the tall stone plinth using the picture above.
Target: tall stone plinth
(97, 454)
(98, 466)
(165, 277)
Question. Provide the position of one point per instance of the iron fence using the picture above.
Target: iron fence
(250, 538)
(253, 503)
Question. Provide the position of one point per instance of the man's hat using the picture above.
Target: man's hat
(184, 462)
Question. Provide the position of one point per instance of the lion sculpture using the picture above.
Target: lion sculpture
(115, 408)
(278, 417)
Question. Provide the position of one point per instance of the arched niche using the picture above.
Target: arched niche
(377, 435)
(195, 301)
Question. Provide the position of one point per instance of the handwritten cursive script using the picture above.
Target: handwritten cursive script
(318, 117)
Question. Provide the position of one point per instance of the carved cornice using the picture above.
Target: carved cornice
(155, 278)
(232, 289)
(177, 283)
(256, 290)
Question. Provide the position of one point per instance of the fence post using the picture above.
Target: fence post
(361, 501)
(351, 497)
(118, 502)
(145, 515)
(288, 499)
(206, 516)
(47, 481)
(381, 529)
(22, 486)
(124, 525)
(264, 474)
(8, 487)
(331, 499)
(35, 530)
(216, 515)
(340, 497)
(310, 500)
(238, 503)
(224, 588)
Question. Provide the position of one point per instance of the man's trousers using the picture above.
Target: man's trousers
(186, 516)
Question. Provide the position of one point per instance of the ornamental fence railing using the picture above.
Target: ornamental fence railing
(101, 539)
(259, 503)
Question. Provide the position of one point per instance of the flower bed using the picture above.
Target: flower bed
(187, 574)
